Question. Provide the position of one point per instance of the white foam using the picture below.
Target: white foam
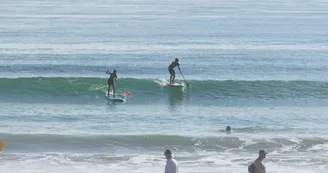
(161, 82)
(189, 162)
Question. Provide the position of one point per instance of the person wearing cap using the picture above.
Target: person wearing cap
(171, 69)
(171, 164)
(258, 164)
(112, 77)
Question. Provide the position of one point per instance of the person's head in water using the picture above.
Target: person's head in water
(177, 59)
(228, 129)
(262, 154)
(168, 154)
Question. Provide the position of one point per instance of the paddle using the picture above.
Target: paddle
(127, 93)
(184, 78)
(2, 145)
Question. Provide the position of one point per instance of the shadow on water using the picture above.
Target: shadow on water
(176, 97)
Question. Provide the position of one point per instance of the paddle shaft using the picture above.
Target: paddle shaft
(122, 86)
(119, 84)
(183, 77)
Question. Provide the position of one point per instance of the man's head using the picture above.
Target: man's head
(168, 154)
(177, 59)
(262, 154)
(114, 71)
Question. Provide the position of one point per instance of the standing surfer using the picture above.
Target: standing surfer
(171, 69)
(112, 77)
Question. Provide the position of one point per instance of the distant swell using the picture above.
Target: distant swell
(70, 87)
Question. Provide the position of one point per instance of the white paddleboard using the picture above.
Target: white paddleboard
(178, 85)
(114, 99)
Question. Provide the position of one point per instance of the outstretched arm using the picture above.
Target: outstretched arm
(107, 72)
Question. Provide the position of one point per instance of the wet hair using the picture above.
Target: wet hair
(176, 59)
(167, 152)
(228, 128)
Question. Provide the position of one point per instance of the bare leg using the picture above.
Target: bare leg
(108, 90)
(173, 78)
(114, 90)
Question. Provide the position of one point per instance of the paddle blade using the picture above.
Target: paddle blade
(127, 93)
(2, 145)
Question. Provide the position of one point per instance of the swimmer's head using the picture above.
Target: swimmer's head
(228, 129)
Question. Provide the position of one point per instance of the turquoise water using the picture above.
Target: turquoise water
(259, 67)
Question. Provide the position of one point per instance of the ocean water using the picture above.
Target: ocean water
(258, 66)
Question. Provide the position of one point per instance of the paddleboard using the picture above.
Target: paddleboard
(2, 145)
(178, 85)
(114, 99)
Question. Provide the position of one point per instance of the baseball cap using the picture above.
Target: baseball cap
(262, 152)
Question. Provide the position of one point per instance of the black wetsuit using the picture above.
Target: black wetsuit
(111, 79)
(172, 66)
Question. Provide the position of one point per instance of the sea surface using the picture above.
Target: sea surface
(258, 66)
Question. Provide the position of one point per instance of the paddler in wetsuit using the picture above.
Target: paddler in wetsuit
(171, 69)
(112, 77)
